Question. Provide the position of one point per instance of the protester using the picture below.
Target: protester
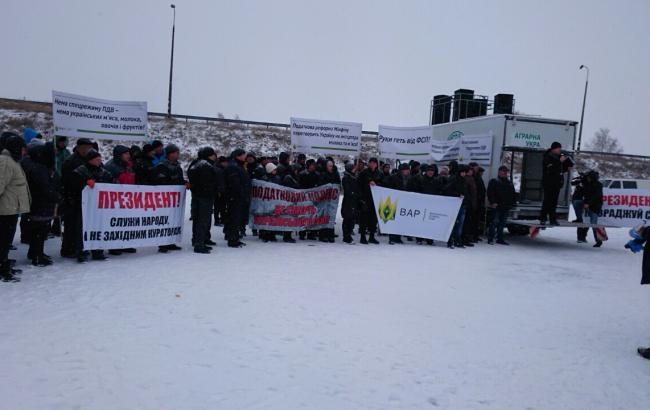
(427, 183)
(309, 178)
(121, 168)
(143, 165)
(501, 198)
(202, 176)
(158, 151)
(39, 167)
(168, 172)
(470, 203)
(400, 182)
(87, 174)
(552, 182)
(351, 201)
(237, 195)
(61, 155)
(14, 199)
(456, 187)
(592, 204)
(70, 216)
(479, 216)
(368, 215)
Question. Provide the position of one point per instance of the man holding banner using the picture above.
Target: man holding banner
(369, 177)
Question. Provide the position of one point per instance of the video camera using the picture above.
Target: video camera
(569, 162)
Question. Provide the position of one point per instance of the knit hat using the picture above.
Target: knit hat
(15, 144)
(146, 148)
(206, 152)
(403, 166)
(171, 148)
(556, 144)
(373, 159)
(270, 167)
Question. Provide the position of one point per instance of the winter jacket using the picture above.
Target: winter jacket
(273, 179)
(167, 173)
(350, 206)
(480, 191)
(593, 193)
(143, 170)
(42, 180)
(501, 191)
(14, 192)
(122, 172)
(72, 163)
(77, 180)
(399, 182)
(365, 178)
(552, 172)
(202, 175)
(238, 184)
(471, 199)
(426, 185)
(455, 187)
(330, 178)
(309, 179)
(291, 181)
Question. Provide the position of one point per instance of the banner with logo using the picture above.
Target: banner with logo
(405, 142)
(413, 214)
(278, 208)
(76, 116)
(625, 207)
(467, 148)
(131, 216)
(325, 137)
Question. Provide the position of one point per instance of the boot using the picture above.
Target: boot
(363, 239)
(347, 239)
(644, 352)
(41, 261)
(201, 249)
(372, 240)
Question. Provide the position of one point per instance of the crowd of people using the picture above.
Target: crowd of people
(41, 184)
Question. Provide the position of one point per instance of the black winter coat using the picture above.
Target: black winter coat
(399, 182)
(167, 173)
(290, 181)
(73, 162)
(426, 185)
(143, 169)
(42, 180)
(202, 175)
(78, 179)
(593, 195)
(329, 178)
(552, 173)
(238, 184)
(309, 179)
(365, 178)
(501, 191)
(351, 195)
(455, 186)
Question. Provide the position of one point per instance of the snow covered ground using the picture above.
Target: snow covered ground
(542, 324)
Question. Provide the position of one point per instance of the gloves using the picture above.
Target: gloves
(91, 183)
(188, 185)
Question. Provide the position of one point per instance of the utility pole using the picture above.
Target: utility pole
(171, 65)
(584, 102)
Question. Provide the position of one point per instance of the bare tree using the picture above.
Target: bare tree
(603, 142)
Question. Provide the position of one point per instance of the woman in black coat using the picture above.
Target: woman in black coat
(44, 188)
(350, 205)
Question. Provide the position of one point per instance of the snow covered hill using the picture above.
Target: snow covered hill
(190, 135)
(542, 324)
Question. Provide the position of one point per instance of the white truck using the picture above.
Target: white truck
(519, 142)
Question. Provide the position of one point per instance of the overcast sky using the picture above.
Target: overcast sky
(366, 61)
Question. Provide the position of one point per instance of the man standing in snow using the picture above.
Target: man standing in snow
(643, 235)
(237, 197)
(367, 214)
(202, 175)
(501, 197)
(169, 172)
(552, 181)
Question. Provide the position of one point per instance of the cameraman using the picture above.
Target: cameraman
(555, 164)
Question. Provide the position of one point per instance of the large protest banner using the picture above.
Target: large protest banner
(405, 142)
(625, 207)
(130, 216)
(325, 137)
(413, 214)
(278, 208)
(467, 148)
(76, 116)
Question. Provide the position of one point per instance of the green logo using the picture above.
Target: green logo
(455, 135)
(387, 210)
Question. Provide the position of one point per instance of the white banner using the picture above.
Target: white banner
(325, 137)
(624, 207)
(413, 214)
(467, 148)
(130, 216)
(405, 142)
(77, 116)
